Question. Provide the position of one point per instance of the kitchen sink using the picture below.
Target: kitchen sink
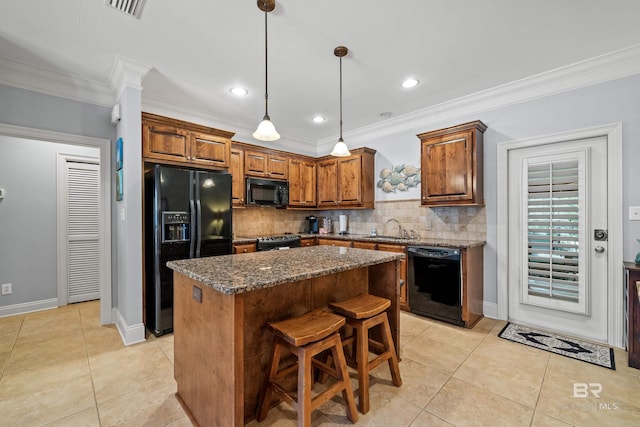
(387, 237)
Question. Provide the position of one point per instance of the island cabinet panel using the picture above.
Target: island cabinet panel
(208, 357)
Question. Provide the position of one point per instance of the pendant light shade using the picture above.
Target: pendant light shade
(266, 131)
(340, 149)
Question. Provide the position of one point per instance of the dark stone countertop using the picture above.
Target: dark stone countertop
(233, 274)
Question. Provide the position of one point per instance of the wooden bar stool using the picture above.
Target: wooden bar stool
(307, 336)
(362, 313)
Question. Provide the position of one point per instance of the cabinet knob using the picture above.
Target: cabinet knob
(245, 250)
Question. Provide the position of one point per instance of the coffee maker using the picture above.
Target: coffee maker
(311, 224)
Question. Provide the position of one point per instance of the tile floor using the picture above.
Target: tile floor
(60, 368)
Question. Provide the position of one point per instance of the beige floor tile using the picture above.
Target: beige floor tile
(542, 420)
(31, 353)
(621, 358)
(385, 410)
(9, 327)
(419, 382)
(48, 404)
(460, 403)
(86, 418)
(434, 351)
(36, 378)
(51, 322)
(102, 339)
(484, 326)
(165, 344)
(152, 405)
(284, 415)
(131, 368)
(4, 357)
(617, 403)
(515, 374)
(427, 419)
(411, 325)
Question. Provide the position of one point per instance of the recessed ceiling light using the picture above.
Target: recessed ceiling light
(408, 83)
(318, 119)
(238, 91)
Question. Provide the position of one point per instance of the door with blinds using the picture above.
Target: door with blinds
(79, 275)
(558, 227)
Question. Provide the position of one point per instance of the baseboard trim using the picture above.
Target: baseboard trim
(490, 310)
(130, 334)
(28, 307)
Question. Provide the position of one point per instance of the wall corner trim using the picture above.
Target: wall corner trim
(130, 334)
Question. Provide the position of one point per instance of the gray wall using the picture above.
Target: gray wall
(26, 108)
(28, 243)
(606, 103)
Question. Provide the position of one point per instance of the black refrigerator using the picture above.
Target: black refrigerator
(187, 215)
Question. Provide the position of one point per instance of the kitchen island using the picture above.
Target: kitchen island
(222, 305)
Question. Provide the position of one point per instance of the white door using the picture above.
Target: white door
(80, 256)
(558, 262)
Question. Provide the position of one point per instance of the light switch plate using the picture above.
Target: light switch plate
(634, 213)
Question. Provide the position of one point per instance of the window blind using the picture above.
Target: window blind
(553, 231)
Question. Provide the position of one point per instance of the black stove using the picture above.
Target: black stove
(278, 242)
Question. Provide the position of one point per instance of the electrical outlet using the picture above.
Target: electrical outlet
(197, 294)
(6, 289)
(634, 213)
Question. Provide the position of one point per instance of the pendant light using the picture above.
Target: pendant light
(266, 131)
(340, 149)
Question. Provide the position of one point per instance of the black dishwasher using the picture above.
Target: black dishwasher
(435, 287)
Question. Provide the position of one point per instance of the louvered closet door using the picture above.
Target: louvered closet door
(558, 271)
(83, 221)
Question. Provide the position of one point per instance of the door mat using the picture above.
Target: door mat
(559, 344)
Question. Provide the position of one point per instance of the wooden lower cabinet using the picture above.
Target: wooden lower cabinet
(244, 248)
(365, 245)
(404, 300)
(633, 313)
(334, 242)
(308, 241)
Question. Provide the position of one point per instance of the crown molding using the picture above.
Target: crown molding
(242, 131)
(611, 66)
(29, 77)
(127, 73)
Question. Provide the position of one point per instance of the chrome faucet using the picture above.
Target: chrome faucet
(399, 226)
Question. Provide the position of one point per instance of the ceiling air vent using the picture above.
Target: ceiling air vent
(130, 7)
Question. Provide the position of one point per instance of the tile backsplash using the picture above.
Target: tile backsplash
(466, 223)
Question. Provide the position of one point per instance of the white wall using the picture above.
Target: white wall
(28, 242)
(610, 102)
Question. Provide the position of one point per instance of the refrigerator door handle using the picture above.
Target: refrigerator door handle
(192, 243)
(198, 233)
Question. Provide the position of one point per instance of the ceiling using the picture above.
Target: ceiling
(199, 49)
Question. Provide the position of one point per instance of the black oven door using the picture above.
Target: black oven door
(435, 289)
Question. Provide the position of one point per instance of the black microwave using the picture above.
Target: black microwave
(267, 192)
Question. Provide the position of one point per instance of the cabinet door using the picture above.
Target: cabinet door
(447, 167)
(302, 183)
(209, 150)
(307, 241)
(255, 163)
(278, 167)
(164, 142)
(334, 242)
(236, 169)
(365, 245)
(350, 181)
(404, 299)
(327, 172)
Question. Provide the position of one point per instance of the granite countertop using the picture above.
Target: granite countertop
(422, 241)
(449, 243)
(234, 274)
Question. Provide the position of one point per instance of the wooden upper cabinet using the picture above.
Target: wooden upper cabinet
(264, 164)
(347, 181)
(451, 162)
(302, 183)
(167, 140)
(210, 150)
(236, 169)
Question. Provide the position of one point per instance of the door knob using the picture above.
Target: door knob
(599, 249)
